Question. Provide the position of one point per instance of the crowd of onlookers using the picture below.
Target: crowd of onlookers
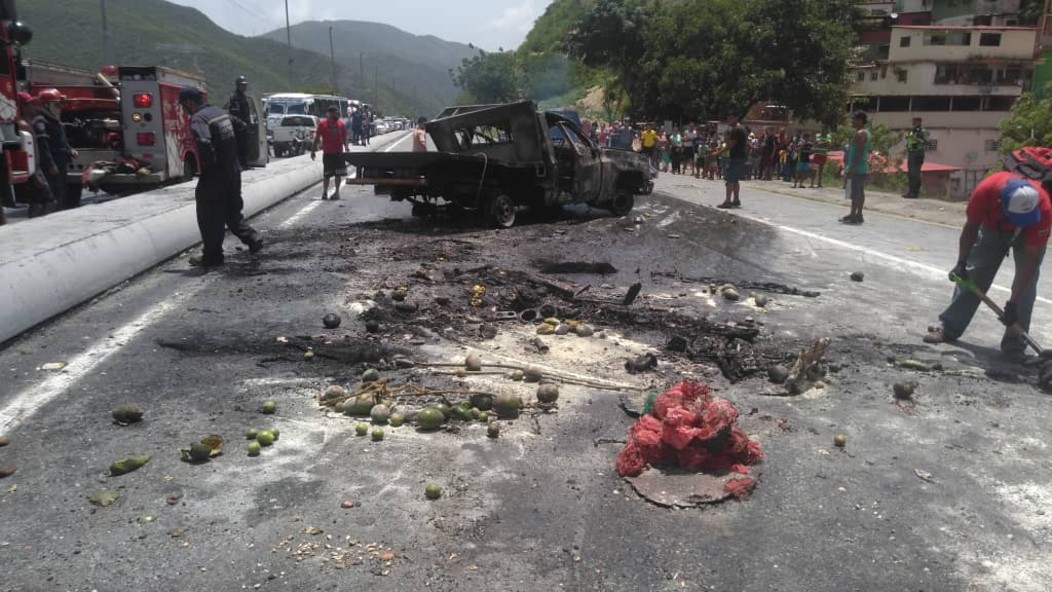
(700, 150)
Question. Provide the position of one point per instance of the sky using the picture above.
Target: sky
(489, 24)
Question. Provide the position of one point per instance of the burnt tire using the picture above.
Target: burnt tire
(501, 211)
(623, 203)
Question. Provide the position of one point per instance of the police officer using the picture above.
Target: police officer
(916, 146)
(239, 110)
(54, 148)
(218, 193)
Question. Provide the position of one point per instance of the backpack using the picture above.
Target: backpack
(1032, 162)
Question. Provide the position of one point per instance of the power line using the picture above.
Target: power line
(255, 13)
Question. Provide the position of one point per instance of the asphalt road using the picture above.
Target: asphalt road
(540, 507)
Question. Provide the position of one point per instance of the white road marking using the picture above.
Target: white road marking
(30, 400)
(397, 142)
(307, 209)
(929, 270)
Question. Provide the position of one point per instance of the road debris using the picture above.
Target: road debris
(128, 464)
(641, 364)
(857, 276)
(432, 491)
(492, 430)
(691, 430)
(4, 441)
(347, 504)
(923, 475)
(904, 390)
(7, 471)
(104, 498)
(268, 407)
(804, 370)
(331, 321)
(127, 414)
(840, 440)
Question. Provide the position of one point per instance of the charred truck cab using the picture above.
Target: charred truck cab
(494, 159)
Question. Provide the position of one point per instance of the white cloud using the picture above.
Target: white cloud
(518, 17)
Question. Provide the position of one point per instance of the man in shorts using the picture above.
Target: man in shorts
(737, 152)
(332, 135)
(856, 167)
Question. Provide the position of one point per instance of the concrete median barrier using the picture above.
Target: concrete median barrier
(52, 264)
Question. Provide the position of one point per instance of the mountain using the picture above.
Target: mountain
(155, 32)
(413, 65)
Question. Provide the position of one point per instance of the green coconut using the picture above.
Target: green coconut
(361, 405)
(548, 394)
(430, 418)
(482, 400)
(380, 414)
(396, 420)
(361, 428)
(432, 491)
(507, 406)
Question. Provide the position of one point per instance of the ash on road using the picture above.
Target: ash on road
(944, 492)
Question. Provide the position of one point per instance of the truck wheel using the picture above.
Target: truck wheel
(623, 203)
(502, 211)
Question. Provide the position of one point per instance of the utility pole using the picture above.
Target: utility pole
(361, 73)
(332, 54)
(107, 45)
(376, 83)
(288, 37)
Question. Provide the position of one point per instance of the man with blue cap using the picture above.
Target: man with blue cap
(1009, 210)
(218, 193)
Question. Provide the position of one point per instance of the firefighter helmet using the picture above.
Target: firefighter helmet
(190, 93)
(25, 98)
(241, 80)
(49, 95)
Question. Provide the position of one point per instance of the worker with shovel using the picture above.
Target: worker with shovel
(1008, 211)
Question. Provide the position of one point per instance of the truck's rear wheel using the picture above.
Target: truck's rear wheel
(502, 211)
(623, 203)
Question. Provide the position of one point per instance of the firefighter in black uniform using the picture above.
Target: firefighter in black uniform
(239, 110)
(218, 192)
(54, 149)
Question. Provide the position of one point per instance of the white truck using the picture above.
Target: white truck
(294, 134)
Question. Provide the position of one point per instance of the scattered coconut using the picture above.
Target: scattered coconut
(361, 428)
(7, 471)
(104, 498)
(584, 331)
(308, 355)
(492, 430)
(360, 405)
(4, 440)
(127, 414)
(268, 407)
(372, 326)
(396, 420)
(562, 329)
(265, 438)
(731, 294)
(378, 434)
(432, 491)
(380, 414)
(532, 374)
(761, 300)
(334, 392)
(128, 464)
(430, 418)
(840, 440)
(507, 406)
(483, 401)
(904, 390)
(515, 375)
(198, 453)
(473, 363)
(371, 375)
(547, 394)
(778, 374)
(347, 504)
(331, 320)
(251, 433)
(340, 407)
(858, 276)
(819, 385)
(254, 448)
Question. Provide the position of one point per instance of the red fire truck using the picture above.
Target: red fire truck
(126, 123)
(16, 164)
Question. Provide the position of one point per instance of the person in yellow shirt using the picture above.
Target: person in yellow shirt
(648, 140)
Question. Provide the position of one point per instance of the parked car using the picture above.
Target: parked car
(494, 159)
(294, 134)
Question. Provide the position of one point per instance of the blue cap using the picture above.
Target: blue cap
(1019, 202)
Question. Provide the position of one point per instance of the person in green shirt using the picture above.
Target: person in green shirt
(916, 146)
(856, 167)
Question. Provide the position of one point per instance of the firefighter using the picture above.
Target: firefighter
(218, 193)
(241, 116)
(54, 149)
(41, 200)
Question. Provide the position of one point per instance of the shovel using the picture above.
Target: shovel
(969, 286)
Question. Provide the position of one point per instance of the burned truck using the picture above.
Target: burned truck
(495, 159)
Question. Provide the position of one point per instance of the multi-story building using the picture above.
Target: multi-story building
(958, 64)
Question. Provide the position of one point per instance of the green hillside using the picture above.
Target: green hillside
(155, 32)
(551, 27)
(407, 65)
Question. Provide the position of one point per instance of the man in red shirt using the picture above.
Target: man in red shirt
(332, 134)
(1006, 211)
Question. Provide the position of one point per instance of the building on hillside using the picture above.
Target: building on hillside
(958, 64)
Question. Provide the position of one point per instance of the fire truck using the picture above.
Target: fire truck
(127, 125)
(16, 164)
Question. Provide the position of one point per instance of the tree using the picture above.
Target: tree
(491, 77)
(1030, 123)
(717, 57)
